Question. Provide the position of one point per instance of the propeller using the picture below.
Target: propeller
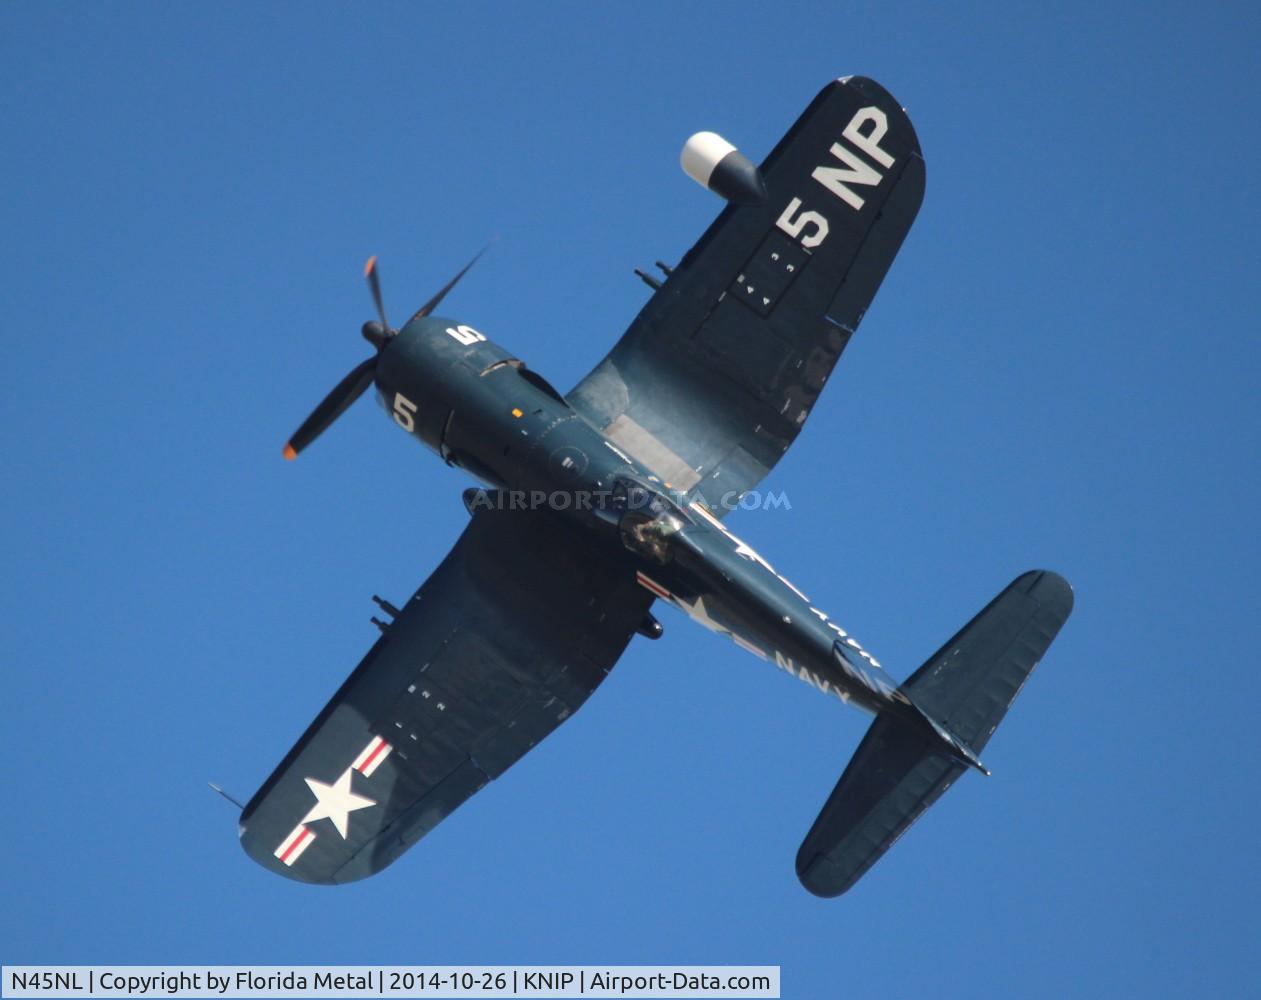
(376, 332)
(432, 304)
(333, 406)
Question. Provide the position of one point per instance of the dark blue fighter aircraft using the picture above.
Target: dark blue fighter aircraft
(598, 503)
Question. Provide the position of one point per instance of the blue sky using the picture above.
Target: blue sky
(1061, 370)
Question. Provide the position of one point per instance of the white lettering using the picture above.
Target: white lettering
(465, 335)
(404, 412)
(796, 227)
(870, 143)
(855, 171)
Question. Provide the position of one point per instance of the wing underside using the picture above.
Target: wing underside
(716, 376)
(511, 634)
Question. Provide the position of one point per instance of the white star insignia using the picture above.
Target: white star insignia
(699, 613)
(747, 551)
(335, 802)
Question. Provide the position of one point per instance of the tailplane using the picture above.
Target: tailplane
(900, 769)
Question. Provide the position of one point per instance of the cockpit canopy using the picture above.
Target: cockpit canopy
(646, 516)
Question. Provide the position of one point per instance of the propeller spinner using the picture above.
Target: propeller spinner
(377, 333)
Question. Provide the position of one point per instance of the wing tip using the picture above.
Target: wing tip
(1049, 589)
(818, 877)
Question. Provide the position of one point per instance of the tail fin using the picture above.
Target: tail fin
(899, 769)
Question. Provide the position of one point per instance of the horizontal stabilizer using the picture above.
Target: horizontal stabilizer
(897, 773)
(970, 682)
(900, 769)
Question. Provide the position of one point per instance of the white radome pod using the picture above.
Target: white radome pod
(715, 164)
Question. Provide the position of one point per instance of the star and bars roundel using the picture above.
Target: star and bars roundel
(334, 802)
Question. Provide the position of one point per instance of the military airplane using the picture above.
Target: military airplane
(598, 503)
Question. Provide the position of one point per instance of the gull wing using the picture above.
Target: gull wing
(511, 634)
(717, 374)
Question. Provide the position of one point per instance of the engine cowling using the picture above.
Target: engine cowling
(717, 165)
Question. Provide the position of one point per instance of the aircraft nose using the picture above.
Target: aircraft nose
(374, 333)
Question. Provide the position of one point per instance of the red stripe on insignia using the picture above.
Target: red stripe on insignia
(298, 842)
(652, 585)
(366, 752)
(371, 756)
(381, 745)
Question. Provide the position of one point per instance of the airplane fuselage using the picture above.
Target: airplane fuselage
(480, 409)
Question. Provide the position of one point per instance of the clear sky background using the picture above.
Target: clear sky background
(1060, 371)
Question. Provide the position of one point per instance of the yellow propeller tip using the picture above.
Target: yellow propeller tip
(289, 453)
(367, 268)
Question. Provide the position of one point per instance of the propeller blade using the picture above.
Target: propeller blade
(333, 406)
(374, 283)
(432, 304)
